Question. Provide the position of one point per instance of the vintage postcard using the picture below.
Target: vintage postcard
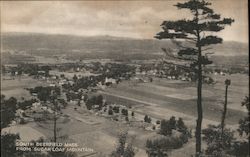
(125, 78)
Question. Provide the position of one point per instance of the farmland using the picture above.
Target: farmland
(159, 99)
(181, 97)
(15, 87)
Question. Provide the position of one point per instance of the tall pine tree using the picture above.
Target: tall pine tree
(198, 31)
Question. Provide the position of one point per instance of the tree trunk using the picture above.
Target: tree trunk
(224, 113)
(199, 101)
(55, 125)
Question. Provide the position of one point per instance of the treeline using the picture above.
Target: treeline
(10, 106)
(44, 93)
(29, 69)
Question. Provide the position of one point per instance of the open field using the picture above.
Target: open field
(26, 132)
(100, 136)
(15, 87)
(160, 99)
(164, 95)
(237, 91)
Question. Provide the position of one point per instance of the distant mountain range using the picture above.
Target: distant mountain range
(103, 46)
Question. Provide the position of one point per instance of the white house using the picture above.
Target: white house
(36, 104)
(110, 80)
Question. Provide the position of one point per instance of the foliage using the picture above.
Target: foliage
(218, 144)
(129, 151)
(198, 31)
(110, 112)
(116, 109)
(26, 104)
(8, 110)
(168, 126)
(94, 100)
(124, 112)
(245, 123)
(181, 127)
(99, 101)
(45, 93)
(126, 118)
(114, 70)
(50, 94)
(158, 122)
(246, 103)
(85, 98)
(8, 145)
(160, 147)
(73, 96)
(108, 70)
(31, 69)
(153, 127)
(241, 148)
(147, 119)
(122, 149)
(75, 78)
(132, 114)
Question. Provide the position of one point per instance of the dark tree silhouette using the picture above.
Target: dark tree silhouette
(8, 147)
(244, 123)
(56, 111)
(8, 110)
(197, 31)
(123, 149)
(242, 148)
(216, 147)
(227, 83)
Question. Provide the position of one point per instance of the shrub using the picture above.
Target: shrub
(172, 122)
(124, 112)
(165, 128)
(158, 122)
(122, 150)
(8, 145)
(218, 144)
(132, 113)
(22, 121)
(160, 147)
(129, 151)
(240, 149)
(147, 119)
(153, 127)
(127, 118)
(110, 112)
(180, 125)
(94, 100)
(116, 109)
(168, 125)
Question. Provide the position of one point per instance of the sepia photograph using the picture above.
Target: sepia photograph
(124, 78)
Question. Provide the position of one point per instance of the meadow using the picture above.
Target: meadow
(15, 86)
(181, 97)
(159, 99)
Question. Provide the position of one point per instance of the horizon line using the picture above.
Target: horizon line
(103, 35)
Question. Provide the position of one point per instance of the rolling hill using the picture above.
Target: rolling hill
(108, 47)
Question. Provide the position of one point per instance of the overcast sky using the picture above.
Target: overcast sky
(136, 19)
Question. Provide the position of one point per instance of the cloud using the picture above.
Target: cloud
(138, 19)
